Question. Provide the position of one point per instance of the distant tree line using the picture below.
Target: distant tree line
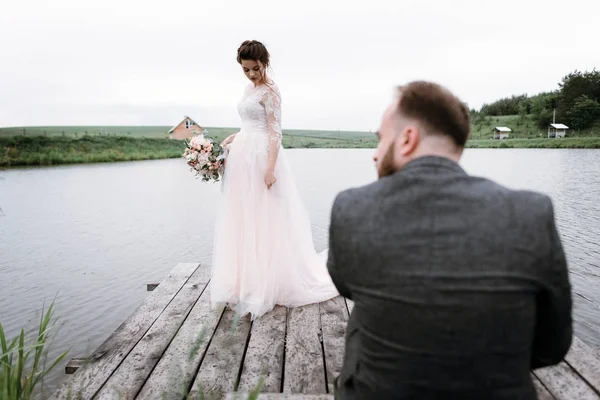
(577, 102)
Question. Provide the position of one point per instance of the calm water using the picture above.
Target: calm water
(91, 236)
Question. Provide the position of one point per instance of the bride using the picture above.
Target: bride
(263, 251)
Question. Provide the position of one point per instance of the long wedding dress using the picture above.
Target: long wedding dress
(263, 250)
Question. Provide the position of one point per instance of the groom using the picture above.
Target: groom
(460, 285)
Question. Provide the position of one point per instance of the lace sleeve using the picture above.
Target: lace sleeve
(272, 102)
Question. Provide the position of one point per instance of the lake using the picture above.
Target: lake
(92, 236)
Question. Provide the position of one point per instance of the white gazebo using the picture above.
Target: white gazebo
(501, 132)
(557, 130)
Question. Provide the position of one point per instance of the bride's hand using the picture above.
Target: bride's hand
(228, 140)
(270, 179)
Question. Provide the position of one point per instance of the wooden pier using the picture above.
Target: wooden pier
(173, 347)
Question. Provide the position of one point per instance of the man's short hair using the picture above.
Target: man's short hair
(440, 111)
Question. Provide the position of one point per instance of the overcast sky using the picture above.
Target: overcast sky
(134, 62)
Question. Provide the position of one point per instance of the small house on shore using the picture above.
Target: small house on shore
(557, 130)
(185, 129)
(501, 132)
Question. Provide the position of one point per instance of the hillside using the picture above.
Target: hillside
(160, 132)
(481, 128)
(523, 127)
(53, 150)
(56, 149)
(575, 103)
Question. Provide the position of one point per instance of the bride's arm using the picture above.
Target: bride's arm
(272, 102)
(229, 139)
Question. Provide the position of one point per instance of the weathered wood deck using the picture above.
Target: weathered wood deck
(174, 345)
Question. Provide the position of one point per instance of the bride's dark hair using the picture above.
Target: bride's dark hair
(253, 50)
(256, 51)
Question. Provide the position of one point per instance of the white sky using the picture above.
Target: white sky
(134, 62)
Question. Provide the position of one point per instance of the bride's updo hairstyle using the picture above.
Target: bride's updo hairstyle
(253, 50)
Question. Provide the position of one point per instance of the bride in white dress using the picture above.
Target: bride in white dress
(263, 251)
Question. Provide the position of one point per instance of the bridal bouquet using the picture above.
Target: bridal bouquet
(205, 158)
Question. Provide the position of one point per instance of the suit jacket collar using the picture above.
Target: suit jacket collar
(431, 163)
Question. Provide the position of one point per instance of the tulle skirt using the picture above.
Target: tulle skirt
(263, 249)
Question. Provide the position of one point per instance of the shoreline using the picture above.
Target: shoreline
(19, 151)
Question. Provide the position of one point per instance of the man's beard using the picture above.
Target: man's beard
(387, 163)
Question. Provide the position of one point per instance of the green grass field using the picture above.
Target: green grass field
(42, 150)
(160, 132)
(544, 143)
(522, 128)
(88, 144)
(155, 132)
(54, 150)
(481, 128)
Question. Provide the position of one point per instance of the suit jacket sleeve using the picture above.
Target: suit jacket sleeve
(553, 331)
(335, 261)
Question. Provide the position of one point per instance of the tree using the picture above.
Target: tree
(584, 112)
(506, 106)
(542, 106)
(575, 85)
(544, 118)
(576, 102)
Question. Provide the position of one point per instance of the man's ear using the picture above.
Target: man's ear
(409, 140)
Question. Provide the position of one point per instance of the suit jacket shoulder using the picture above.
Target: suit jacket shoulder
(363, 195)
(527, 205)
(355, 201)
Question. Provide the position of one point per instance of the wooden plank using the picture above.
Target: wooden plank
(130, 376)
(221, 365)
(265, 353)
(334, 318)
(304, 369)
(102, 362)
(564, 383)
(542, 392)
(350, 305)
(280, 396)
(178, 366)
(583, 360)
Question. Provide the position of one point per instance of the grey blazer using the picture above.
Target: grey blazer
(460, 286)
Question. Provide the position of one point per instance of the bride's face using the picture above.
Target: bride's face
(254, 71)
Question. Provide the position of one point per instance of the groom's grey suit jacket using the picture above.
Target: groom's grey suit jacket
(460, 286)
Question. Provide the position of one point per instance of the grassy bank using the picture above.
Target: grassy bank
(161, 132)
(53, 150)
(42, 150)
(563, 143)
(523, 127)
(155, 132)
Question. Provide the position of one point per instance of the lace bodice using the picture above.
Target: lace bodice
(260, 111)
